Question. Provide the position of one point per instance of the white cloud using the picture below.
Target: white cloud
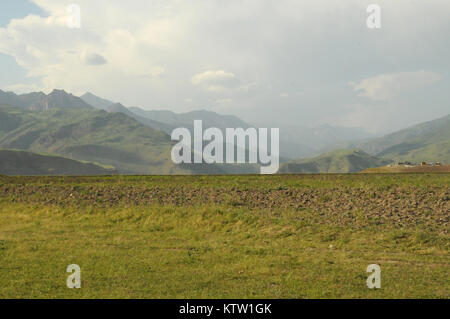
(212, 76)
(159, 52)
(224, 101)
(215, 81)
(22, 88)
(92, 58)
(386, 86)
(121, 39)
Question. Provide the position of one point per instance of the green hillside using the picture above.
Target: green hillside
(95, 101)
(113, 139)
(340, 161)
(14, 162)
(159, 126)
(416, 153)
(87, 134)
(428, 141)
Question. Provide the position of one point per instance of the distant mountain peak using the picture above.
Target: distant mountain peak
(59, 98)
(118, 107)
(96, 101)
(117, 104)
(59, 91)
(209, 118)
(39, 101)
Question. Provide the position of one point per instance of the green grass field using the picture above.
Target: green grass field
(308, 236)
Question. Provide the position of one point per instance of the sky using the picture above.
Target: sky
(270, 62)
(11, 72)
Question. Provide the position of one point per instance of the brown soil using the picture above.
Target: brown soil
(399, 205)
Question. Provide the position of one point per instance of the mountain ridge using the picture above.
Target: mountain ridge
(96, 101)
(338, 161)
(39, 101)
(428, 141)
(89, 135)
(425, 132)
(109, 138)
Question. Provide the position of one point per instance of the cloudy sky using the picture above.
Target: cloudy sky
(305, 62)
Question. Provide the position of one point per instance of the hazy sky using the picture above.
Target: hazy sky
(303, 62)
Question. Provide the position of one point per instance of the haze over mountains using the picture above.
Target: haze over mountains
(170, 119)
(429, 141)
(137, 141)
(90, 135)
(424, 142)
(116, 138)
(95, 101)
(339, 161)
(295, 141)
(305, 141)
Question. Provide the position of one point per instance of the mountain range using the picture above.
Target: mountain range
(110, 138)
(425, 142)
(339, 161)
(137, 141)
(97, 136)
(301, 141)
(311, 140)
(39, 101)
(429, 141)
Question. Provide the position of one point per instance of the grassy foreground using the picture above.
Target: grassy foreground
(308, 236)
